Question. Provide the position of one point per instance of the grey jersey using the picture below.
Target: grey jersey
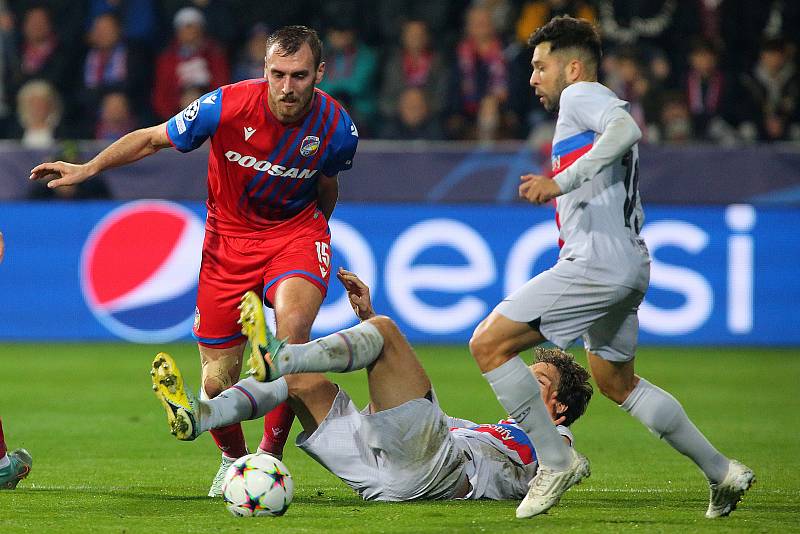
(600, 213)
(501, 458)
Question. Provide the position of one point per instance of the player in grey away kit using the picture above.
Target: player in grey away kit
(402, 446)
(595, 288)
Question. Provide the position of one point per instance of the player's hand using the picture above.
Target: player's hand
(538, 189)
(357, 293)
(64, 173)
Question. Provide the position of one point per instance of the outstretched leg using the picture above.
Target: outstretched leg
(664, 416)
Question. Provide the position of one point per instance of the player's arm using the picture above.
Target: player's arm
(357, 294)
(327, 194)
(2, 247)
(132, 147)
(619, 135)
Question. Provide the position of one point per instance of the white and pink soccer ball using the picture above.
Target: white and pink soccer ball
(258, 485)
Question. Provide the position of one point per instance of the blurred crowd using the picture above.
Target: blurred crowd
(719, 71)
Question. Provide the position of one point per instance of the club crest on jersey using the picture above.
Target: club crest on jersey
(309, 146)
(191, 110)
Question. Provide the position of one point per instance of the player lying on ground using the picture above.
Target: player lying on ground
(15, 465)
(402, 447)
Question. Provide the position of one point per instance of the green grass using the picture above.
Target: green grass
(105, 462)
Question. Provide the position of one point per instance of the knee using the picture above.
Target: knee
(482, 345)
(386, 326)
(616, 390)
(217, 376)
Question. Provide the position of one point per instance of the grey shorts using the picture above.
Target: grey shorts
(400, 454)
(565, 305)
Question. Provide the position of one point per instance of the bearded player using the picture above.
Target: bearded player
(277, 146)
(595, 288)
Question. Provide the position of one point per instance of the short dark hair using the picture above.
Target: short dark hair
(574, 389)
(290, 39)
(567, 32)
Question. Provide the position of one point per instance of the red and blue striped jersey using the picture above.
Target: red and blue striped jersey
(262, 172)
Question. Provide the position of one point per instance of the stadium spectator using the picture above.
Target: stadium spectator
(674, 124)
(42, 54)
(138, 19)
(503, 15)
(116, 117)
(415, 63)
(437, 16)
(250, 64)
(220, 22)
(350, 68)
(628, 78)
(747, 24)
(69, 18)
(413, 118)
(94, 189)
(110, 65)
(16, 465)
(769, 96)
(192, 60)
(8, 63)
(480, 81)
(39, 112)
(707, 94)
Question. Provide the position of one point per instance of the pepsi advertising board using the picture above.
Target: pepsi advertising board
(128, 271)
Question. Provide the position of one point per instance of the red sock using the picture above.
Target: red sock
(277, 424)
(230, 440)
(3, 448)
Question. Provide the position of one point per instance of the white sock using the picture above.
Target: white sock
(342, 352)
(518, 392)
(5, 461)
(245, 400)
(665, 417)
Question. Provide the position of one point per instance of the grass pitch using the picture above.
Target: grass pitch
(105, 462)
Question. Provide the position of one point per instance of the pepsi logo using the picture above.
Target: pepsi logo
(139, 269)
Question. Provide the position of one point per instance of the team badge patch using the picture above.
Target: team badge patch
(309, 146)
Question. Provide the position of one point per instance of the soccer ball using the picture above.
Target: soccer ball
(257, 484)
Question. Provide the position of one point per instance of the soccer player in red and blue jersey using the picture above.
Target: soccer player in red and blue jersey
(277, 146)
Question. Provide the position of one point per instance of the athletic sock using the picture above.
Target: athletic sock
(230, 440)
(342, 352)
(665, 417)
(277, 424)
(245, 400)
(518, 392)
(227, 435)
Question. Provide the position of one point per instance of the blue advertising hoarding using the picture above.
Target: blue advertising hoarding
(110, 270)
